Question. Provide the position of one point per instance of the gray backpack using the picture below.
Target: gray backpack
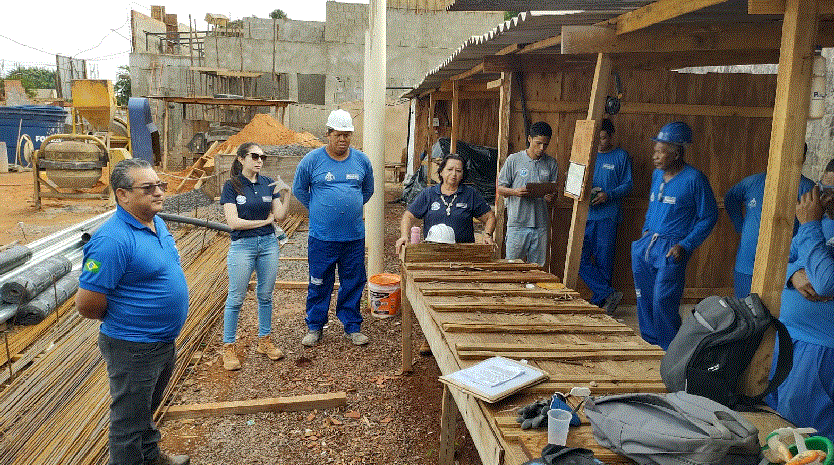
(714, 346)
(672, 429)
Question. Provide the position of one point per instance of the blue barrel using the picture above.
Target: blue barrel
(39, 121)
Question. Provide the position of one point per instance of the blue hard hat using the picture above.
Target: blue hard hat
(676, 132)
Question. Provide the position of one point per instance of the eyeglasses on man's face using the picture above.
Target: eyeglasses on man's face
(149, 189)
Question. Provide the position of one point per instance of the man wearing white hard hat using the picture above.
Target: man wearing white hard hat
(334, 182)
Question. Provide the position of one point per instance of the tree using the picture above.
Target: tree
(508, 15)
(122, 85)
(278, 14)
(33, 78)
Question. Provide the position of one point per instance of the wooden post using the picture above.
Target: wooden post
(453, 137)
(407, 327)
(504, 108)
(799, 32)
(430, 138)
(596, 109)
(165, 136)
(448, 428)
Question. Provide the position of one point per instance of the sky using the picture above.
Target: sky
(31, 34)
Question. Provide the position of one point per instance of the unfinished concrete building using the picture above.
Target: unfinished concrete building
(317, 65)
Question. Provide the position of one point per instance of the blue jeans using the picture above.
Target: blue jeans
(528, 243)
(322, 258)
(139, 373)
(741, 284)
(259, 253)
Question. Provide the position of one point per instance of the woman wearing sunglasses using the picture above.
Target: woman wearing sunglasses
(251, 203)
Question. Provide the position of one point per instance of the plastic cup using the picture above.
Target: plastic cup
(558, 422)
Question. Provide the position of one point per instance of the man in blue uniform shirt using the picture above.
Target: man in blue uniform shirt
(806, 397)
(334, 182)
(743, 203)
(612, 181)
(681, 214)
(133, 282)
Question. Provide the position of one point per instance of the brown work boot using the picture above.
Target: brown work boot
(265, 346)
(165, 459)
(424, 349)
(230, 360)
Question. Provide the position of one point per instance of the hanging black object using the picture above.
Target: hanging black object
(612, 104)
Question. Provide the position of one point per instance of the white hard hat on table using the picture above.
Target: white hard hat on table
(340, 120)
(441, 233)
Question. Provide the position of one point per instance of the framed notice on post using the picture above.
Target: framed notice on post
(580, 156)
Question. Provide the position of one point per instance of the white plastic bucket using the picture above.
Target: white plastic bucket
(384, 295)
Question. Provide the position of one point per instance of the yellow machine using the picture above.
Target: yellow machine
(67, 165)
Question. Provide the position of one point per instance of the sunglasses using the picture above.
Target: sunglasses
(149, 188)
(258, 156)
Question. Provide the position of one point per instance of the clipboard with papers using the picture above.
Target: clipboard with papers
(495, 378)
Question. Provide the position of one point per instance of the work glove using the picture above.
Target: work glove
(534, 415)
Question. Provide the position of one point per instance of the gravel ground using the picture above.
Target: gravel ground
(389, 418)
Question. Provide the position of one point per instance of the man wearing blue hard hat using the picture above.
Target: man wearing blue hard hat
(681, 214)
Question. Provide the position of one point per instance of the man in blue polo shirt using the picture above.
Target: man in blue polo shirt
(682, 212)
(612, 181)
(133, 282)
(334, 182)
(743, 203)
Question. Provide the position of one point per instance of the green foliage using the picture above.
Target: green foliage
(33, 78)
(508, 15)
(278, 14)
(122, 85)
(236, 24)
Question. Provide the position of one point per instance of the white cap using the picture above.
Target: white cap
(340, 120)
(441, 233)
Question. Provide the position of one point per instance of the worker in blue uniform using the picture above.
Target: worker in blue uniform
(682, 212)
(743, 203)
(612, 181)
(806, 397)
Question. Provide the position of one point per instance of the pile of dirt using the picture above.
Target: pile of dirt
(266, 130)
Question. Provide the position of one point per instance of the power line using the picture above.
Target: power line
(112, 30)
(27, 46)
(104, 57)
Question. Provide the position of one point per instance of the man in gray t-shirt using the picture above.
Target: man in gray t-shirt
(527, 217)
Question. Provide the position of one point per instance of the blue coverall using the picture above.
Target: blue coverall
(334, 192)
(743, 203)
(806, 397)
(612, 173)
(681, 211)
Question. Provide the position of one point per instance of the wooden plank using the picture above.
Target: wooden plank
(297, 285)
(541, 44)
(599, 388)
(777, 7)
(430, 252)
(455, 135)
(784, 167)
(467, 74)
(521, 277)
(271, 404)
(615, 355)
(596, 109)
(588, 39)
(504, 106)
(661, 10)
(512, 307)
(526, 347)
(656, 109)
(448, 428)
(488, 94)
(454, 327)
(500, 293)
(494, 84)
(407, 327)
(473, 266)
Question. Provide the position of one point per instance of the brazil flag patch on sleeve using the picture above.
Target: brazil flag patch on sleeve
(92, 266)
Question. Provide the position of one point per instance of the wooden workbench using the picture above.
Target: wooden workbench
(473, 310)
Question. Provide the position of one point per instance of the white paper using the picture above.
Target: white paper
(495, 377)
(573, 183)
(492, 375)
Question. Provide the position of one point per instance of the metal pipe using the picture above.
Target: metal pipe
(195, 221)
(373, 137)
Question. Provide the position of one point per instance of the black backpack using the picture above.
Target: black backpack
(714, 346)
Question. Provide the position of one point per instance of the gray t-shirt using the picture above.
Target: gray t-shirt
(518, 170)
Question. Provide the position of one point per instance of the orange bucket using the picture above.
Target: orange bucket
(384, 295)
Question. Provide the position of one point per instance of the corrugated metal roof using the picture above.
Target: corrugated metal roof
(554, 5)
(525, 28)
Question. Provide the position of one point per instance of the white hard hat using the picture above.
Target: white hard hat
(442, 233)
(340, 120)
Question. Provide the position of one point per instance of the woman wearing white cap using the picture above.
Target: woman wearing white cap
(447, 208)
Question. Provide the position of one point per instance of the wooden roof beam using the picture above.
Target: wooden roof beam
(777, 7)
(467, 74)
(659, 11)
(534, 63)
(687, 37)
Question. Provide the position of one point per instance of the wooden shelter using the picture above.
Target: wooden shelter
(560, 68)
